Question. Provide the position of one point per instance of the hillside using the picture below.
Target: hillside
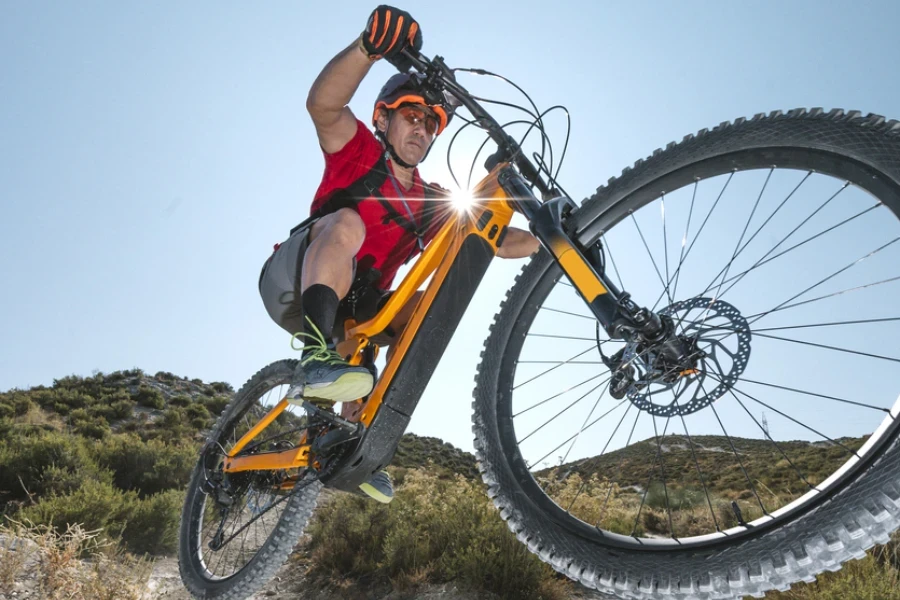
(112, 453)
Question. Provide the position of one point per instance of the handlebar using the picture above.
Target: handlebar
(439, 78)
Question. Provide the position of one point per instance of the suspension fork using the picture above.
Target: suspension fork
(613, 308)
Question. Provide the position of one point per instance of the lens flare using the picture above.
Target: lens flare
(462, 200)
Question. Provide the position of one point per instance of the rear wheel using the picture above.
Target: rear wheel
(238, 529)
(772, 247)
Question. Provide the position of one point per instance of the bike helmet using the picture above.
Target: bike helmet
(406, 88)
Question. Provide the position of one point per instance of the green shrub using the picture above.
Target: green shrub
(222, 387)
(153, 526)
(96, 428)
(122, 409)
(199, 416)
(173, 428)
(102, 411)
(7, 411)
(60, 408)
(166, 377)
(180, 400)
(19, 403)
(95, 505)
(147, 467)
(216, 404)
(68, 382)
(44, 462)
(150, 397)
(446, 528)
(116, 377)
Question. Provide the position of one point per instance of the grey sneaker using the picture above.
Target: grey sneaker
(379, 487)
(327, 376)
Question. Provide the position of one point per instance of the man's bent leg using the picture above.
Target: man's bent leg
(326, 277)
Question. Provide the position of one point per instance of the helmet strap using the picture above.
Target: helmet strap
(382, 135)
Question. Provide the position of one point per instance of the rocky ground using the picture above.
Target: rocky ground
(28, 572)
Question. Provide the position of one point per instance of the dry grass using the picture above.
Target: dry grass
(41, 562)
(628, 512)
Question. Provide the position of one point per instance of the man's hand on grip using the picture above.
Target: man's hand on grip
(389, 31)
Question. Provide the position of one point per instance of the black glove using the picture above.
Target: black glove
(389, 31)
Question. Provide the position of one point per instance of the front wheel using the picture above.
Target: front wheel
(771, 247)
(238, 529)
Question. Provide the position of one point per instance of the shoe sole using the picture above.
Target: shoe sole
(346, 388)
(372, 492)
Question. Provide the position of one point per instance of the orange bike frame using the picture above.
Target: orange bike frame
(488, 217)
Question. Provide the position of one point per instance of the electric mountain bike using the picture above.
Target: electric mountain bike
(726, 426)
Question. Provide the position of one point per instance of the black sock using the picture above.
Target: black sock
(320, 304)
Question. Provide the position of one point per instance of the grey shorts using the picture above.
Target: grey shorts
(279, 281)
(279, 287)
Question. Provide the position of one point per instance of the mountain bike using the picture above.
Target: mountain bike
(726, 426)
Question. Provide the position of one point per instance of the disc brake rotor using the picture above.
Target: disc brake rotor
(718, 344)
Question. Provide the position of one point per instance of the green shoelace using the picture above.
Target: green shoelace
(316, 345)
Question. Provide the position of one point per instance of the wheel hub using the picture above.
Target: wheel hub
(698, 361)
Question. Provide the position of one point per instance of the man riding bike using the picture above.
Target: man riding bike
(371, 213)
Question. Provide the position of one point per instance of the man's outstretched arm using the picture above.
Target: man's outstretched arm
(388, 31)
(331, 92)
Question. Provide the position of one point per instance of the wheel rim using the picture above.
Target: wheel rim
(226, 542)
(763, 205)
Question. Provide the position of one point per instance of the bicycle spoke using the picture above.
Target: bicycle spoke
(662, 471)
(650, 480)
(556, 395)
(563, 312)
(816, 395)
(582, 353)
(602, 452)
(570, 438)
(699, 473)
(553, 418)
(563, 337)
(833, 275)
(687, 229)
(699, 231)
(578, 435)
(783, 327)
(737, 247)
(618, 468)
(766, 433)
(662, 208)
(827, 347)
(788, 236)
(560, 362)
(652, 260)
(790, 418)
(758, 316)
(737, 278)
(737, 456)
(615, 268)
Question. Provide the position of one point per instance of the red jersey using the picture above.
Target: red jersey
(390, 239)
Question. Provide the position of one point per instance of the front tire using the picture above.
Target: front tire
(857, 508)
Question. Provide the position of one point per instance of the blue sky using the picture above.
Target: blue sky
(152, 153)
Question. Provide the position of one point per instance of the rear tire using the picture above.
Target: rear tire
(197, 564)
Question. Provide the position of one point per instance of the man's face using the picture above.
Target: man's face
(411, 131)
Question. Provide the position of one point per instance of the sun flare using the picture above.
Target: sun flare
(462, 200)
